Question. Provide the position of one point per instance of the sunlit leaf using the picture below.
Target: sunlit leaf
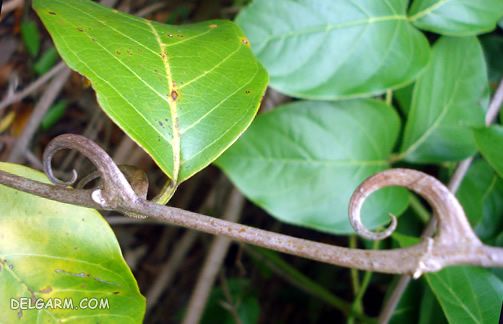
(183, 93)
(52, 251)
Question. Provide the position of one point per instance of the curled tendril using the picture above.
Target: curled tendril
(115, 190)
(451, 217)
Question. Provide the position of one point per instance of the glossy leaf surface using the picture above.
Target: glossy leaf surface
(301, 162)
(329, 49)
(52, 251)
(448, 99)
(183, 93)
(456, 17)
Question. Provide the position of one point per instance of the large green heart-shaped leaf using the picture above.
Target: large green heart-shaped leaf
(329, 49)
(183, 93)
(456, 17)
(60, 253)
(302, 162)
(448, 98)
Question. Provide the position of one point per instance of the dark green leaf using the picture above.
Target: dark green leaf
(481, 195)
(301, 162)
(407, 310)
(468, 294)
(404, 98)
(183, 93)
(490, 144)
(493, 49)
(53, 250)
(46, 61)
(31, 36)
(456, 17)
(430, 311)
(329, 49)
(243, 299)
(448, 99)
(54, 114)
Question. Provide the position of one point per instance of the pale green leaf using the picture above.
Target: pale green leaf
(456, 17)
(329, 49)
(52, 250)
(183, 93)
(301, 162)
(448, 99)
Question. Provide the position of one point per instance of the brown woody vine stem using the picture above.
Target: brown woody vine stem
(455, 242)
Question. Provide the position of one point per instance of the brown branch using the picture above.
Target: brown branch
(456, 179)
(432, 254)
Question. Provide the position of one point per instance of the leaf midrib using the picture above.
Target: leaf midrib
(328, 163)
(325, 28)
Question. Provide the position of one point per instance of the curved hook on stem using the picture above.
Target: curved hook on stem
(451, 217)
(116, 189)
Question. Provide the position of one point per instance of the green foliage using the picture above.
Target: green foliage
(31, 37)
(243, 299)
(302, 162)
(490, 142)
(311, 49)
(481, 195)
(186, 93)
(467, 294)
(54, 250)
(46, 61)
(54, 114)
(151, 80)
(456, 17)
(449, 98)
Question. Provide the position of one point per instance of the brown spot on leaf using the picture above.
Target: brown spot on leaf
(46, 290)
(245, 41)
(51, 13)
(160, 123)
(118, 52)
(80, 29)
(174, 95)
(115, 292)
(247, 91)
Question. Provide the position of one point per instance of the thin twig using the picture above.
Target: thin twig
(213, 263)
(32, 87)
(10, 6)
(432, 254)
(50, 94)
(454, 183)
